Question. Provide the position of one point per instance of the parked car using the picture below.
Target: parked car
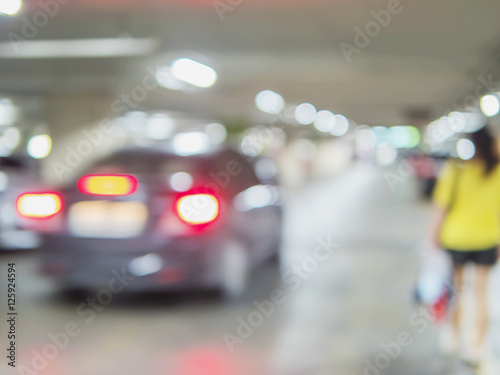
(172, 222)
(17, 174)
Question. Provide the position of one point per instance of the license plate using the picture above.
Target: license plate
(105, 219)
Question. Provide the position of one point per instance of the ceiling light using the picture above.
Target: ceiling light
(10, 7)
(269, 101)
(78, 48)
(39, 146)
(325, 121)
(341, 126)
(193, 72)
(305, 114)
(490, 105)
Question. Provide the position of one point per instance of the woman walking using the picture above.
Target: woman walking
(467, 225)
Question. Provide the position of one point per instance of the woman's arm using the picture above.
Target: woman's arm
(443, 197)
(498, 251)
(438, 217)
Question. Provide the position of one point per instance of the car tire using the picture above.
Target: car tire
(235, 270)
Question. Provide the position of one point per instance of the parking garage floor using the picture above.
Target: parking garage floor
(335, 315)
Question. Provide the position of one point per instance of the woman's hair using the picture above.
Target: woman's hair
(486, 148)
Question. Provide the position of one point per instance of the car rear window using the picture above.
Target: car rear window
(149, 163)
(223, 171)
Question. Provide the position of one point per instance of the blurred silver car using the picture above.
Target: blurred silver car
(170, 221)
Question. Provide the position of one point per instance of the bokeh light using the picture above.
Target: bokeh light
(10, 7)
(305, 113)
(341, 126)
(190, 143)
(216, 132)
(39, 146)
(193, 72)
(490, 105)
(325, 121)
(465, 149)
(159, 126)
(404, 136)
(181, 181)
(269, 101)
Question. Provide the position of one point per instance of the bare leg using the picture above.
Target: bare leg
(458, 280)
(482, 277)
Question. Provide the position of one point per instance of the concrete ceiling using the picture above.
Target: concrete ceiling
(427, 60)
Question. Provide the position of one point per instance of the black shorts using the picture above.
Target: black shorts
(487, 257)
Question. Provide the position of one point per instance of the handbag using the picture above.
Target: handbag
(434, 286)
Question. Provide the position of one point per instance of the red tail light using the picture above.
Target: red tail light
(39, 205)
(197, 208)
(108, 184)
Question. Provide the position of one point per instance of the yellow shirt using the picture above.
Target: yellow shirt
(473, 223)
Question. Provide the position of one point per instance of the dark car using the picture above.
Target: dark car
(172, 222)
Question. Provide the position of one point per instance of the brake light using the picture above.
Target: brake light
(197, 209)
(39, 205)
(107, 184)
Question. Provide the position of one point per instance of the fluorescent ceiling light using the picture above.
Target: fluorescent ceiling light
(74, 48)
(193, 72)
(10, 7)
